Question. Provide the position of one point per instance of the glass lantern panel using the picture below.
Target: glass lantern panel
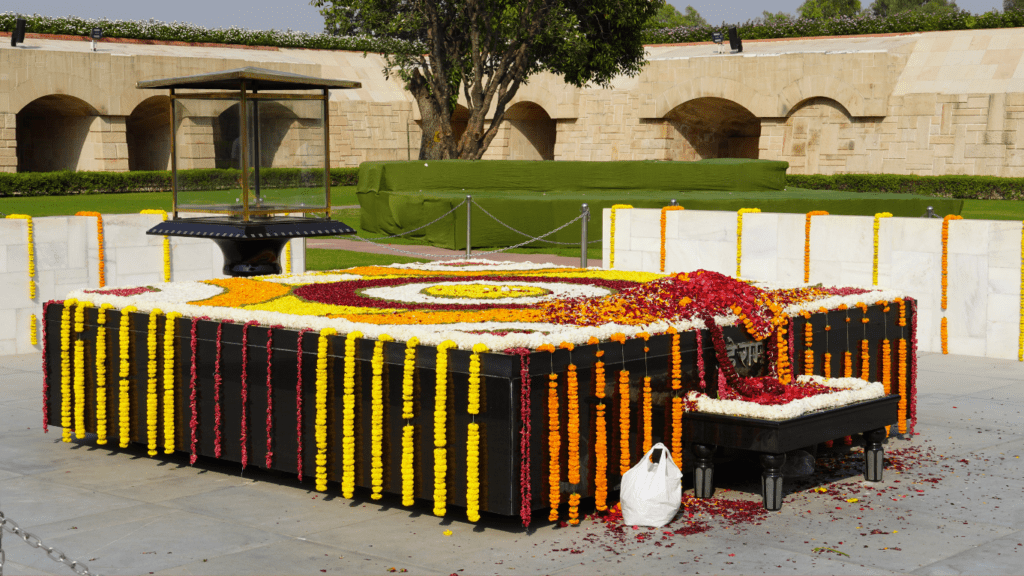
(206, 136)
(286, 156)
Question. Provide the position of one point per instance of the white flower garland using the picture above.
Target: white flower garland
(848, 391)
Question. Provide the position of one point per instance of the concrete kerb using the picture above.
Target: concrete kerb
(954, 509)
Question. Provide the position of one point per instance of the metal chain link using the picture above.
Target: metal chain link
(436, 220)
(417, 254)
(495, 218)
(34, 541)
(499, 250)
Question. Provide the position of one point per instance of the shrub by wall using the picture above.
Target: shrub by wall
(964, 187)
(67, 182)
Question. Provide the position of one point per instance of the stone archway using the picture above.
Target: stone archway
(714, 128)
(51, 133)
(148, 133)
(532, 133)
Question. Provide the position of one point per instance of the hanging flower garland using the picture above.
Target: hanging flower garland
(525, 414)
(287, 257)
(101, 373)
(473, 437)
(847, 356)
(298, 401)
(572, 395)
(193, 392)
(218, 386)
(808, 344)
(408, 407)
(912, 356)
(826, 369)
(739, 235)
(944, 331)
(664, 222)
(377, 417)
(348, 414)
(167, 244)
(646, 401)
(243, 439)
(874, 258)
(807, 242)
(124, 412)
(865, 356)
(46, 374)
(624, 452)
(611, 242)
(80, 369)
(901, 368)
(554, 441)
(677, 402)
(270, 395)
(1020, 337)
(151, 383)
(320, 425)
(441, 428)
(65, 370)
(169, 437)
(99, 239)
(31, 254)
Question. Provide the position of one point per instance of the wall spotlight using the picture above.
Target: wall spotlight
(96, 35)
(716, 37)
(19, 32)
(734, 40)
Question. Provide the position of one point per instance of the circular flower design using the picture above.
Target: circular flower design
(484, 291)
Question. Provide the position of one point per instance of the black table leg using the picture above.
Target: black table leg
(703, 471)
(874, 455)
(771, 480)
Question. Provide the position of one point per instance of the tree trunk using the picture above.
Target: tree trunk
(436, 141)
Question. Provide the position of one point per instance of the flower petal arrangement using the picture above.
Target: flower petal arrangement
(404, 358)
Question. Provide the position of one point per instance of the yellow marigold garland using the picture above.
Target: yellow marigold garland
(101, 374)
(874, 258)
(288, 257)
(600, 434)
(664, 222)
(167, 244)
(124, 412)
(320, 426)
(377, 418)
(441, 428)
(151, 383)
(65, 370)
(1020, 337)
(31, 257)
(348, 416)
(807, 242)
(611, 243)
(739, 235)
(80, 369)
(473, 437)
(408, 407)
(944, 331)
(33, 332)
(169, 364)
(99, 238)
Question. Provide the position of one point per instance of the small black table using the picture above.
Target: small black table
(773, 438)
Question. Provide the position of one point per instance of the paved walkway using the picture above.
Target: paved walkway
(950, 503)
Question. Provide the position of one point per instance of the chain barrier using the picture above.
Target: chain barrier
(532, 239)
(34, 541)
(436, 220)
(521, 244)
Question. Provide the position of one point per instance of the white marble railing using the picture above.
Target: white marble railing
(66, 254)
(984, 263)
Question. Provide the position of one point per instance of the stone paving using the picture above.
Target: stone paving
(950, 503)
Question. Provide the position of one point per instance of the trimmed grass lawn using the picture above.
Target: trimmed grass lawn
(320, 259)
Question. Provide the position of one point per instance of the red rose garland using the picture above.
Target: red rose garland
(913, 366)
(298, 401)
(244, 438)
(46, 374)
(218, 384)
(525, 492)
(194, 376)
(270, 395)
(700, 359)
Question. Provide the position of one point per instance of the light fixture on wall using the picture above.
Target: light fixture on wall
(18, 35)
(717, 38)
(734, 40)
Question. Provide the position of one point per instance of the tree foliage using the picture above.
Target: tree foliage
(669, 17)
(828, 8)
(1013, 5)
(485, 50)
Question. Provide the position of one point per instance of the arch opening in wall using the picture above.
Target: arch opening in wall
(51, 133)
(818, 131)
(290, 132)
(532, 132)
(714, 128)
(148, 133)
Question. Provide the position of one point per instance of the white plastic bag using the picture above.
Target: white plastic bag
(651, 492)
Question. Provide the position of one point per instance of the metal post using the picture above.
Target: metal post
(583, 237)
(469, 226)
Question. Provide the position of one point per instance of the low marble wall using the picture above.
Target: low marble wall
(984, 263)
(67, 258)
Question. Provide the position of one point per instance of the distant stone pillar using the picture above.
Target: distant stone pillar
(106, 145)
(195, 143)
(8, 143)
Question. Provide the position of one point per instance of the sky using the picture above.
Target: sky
(300, 16)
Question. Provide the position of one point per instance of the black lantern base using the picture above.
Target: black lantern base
(251, 248)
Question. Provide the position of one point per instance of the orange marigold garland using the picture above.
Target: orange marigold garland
(99, 238)
(887, 370)
(646, 401)
(573, 433)
(865, 357)
(944, 331)
(664, 211)
(808, 343)
(807, 242)
(624, 456)
(677, 402)
(600, 433)
(901, 369)
(554, 443)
